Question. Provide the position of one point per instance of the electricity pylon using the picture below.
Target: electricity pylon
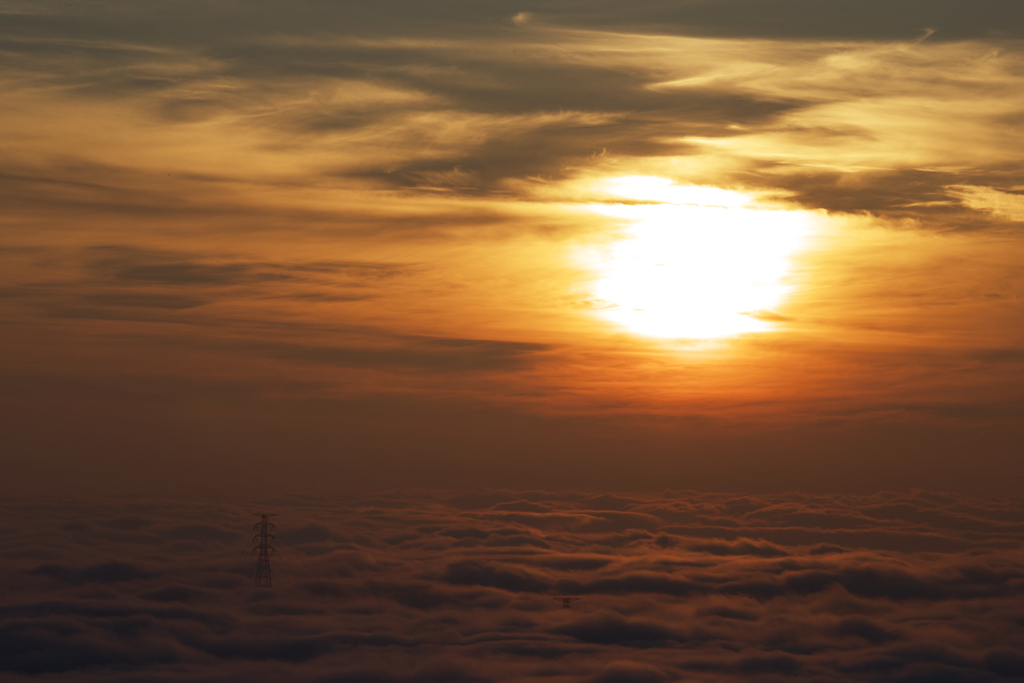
(265, 550)
(567, 602)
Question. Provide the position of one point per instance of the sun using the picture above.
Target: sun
(697, 262)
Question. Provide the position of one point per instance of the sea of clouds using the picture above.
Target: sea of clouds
(439, 587)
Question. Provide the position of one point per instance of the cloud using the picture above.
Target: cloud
(432, 354)
(608, 629)
(1003, 204)
(467, 114)
(631, 672)
(428, 608)
(166, 301)
(804, 19)
(481, 574)
(110, 572)
(133, 523)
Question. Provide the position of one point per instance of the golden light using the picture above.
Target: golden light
(697, 262)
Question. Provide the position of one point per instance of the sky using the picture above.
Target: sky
(339, 247)
(705, 312)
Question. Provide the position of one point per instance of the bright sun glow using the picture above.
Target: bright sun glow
(700, 262)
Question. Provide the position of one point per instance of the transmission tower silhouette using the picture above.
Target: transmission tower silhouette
(566, 602)
(263, 539)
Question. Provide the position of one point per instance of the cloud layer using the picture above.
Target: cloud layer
(463, 587)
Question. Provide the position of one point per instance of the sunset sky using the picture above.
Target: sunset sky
(707, 313)
(730, 245)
